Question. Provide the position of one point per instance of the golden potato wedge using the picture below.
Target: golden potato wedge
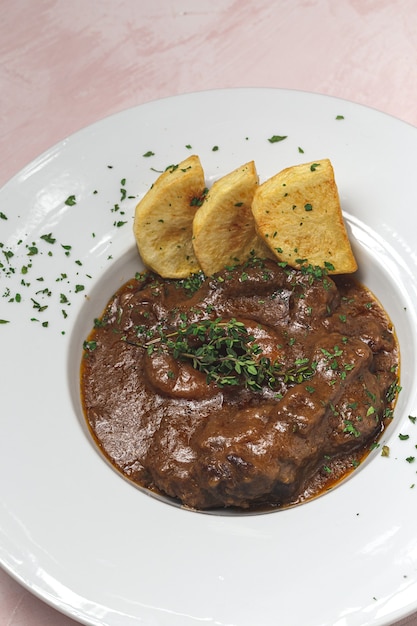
(223, 227)
(297, 213)
(163, 221)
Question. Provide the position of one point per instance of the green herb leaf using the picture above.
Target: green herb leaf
(277, 138)
(350, 428)
(48, 238)
(70, 201)
(226, 352)
(89, 346)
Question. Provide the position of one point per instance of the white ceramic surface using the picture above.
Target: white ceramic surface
(75, 533)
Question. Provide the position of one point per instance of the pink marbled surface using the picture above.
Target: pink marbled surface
(67, 63)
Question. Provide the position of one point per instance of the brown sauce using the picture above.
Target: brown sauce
(326, 395)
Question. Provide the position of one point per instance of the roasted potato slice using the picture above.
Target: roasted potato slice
(163, 221)
(297, 213)
(224, 228)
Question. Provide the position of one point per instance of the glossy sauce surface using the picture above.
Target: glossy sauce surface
(175, 430)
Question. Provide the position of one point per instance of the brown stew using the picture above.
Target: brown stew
(261, 386)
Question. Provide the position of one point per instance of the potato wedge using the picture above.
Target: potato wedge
(163, 221)
(297, 213)
(224, 228)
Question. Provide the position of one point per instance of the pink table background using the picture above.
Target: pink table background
(67, 63)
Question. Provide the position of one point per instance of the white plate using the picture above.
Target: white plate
(72, 530)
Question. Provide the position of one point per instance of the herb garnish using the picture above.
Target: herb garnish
(192, 283)
(277, 138)
(403, 437)
(229, 356)
(393, 390)
(89, 346)
(48, 238)
(350, 428)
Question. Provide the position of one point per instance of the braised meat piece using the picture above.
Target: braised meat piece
(261, 386)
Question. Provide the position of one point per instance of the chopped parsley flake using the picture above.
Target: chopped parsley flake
(70, 201)
(277, 138)
(48, 238)
(89, 346)
(403, 437)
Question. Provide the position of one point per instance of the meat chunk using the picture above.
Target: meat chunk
(272, 410)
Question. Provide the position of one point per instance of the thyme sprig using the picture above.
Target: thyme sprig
(228, 354)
